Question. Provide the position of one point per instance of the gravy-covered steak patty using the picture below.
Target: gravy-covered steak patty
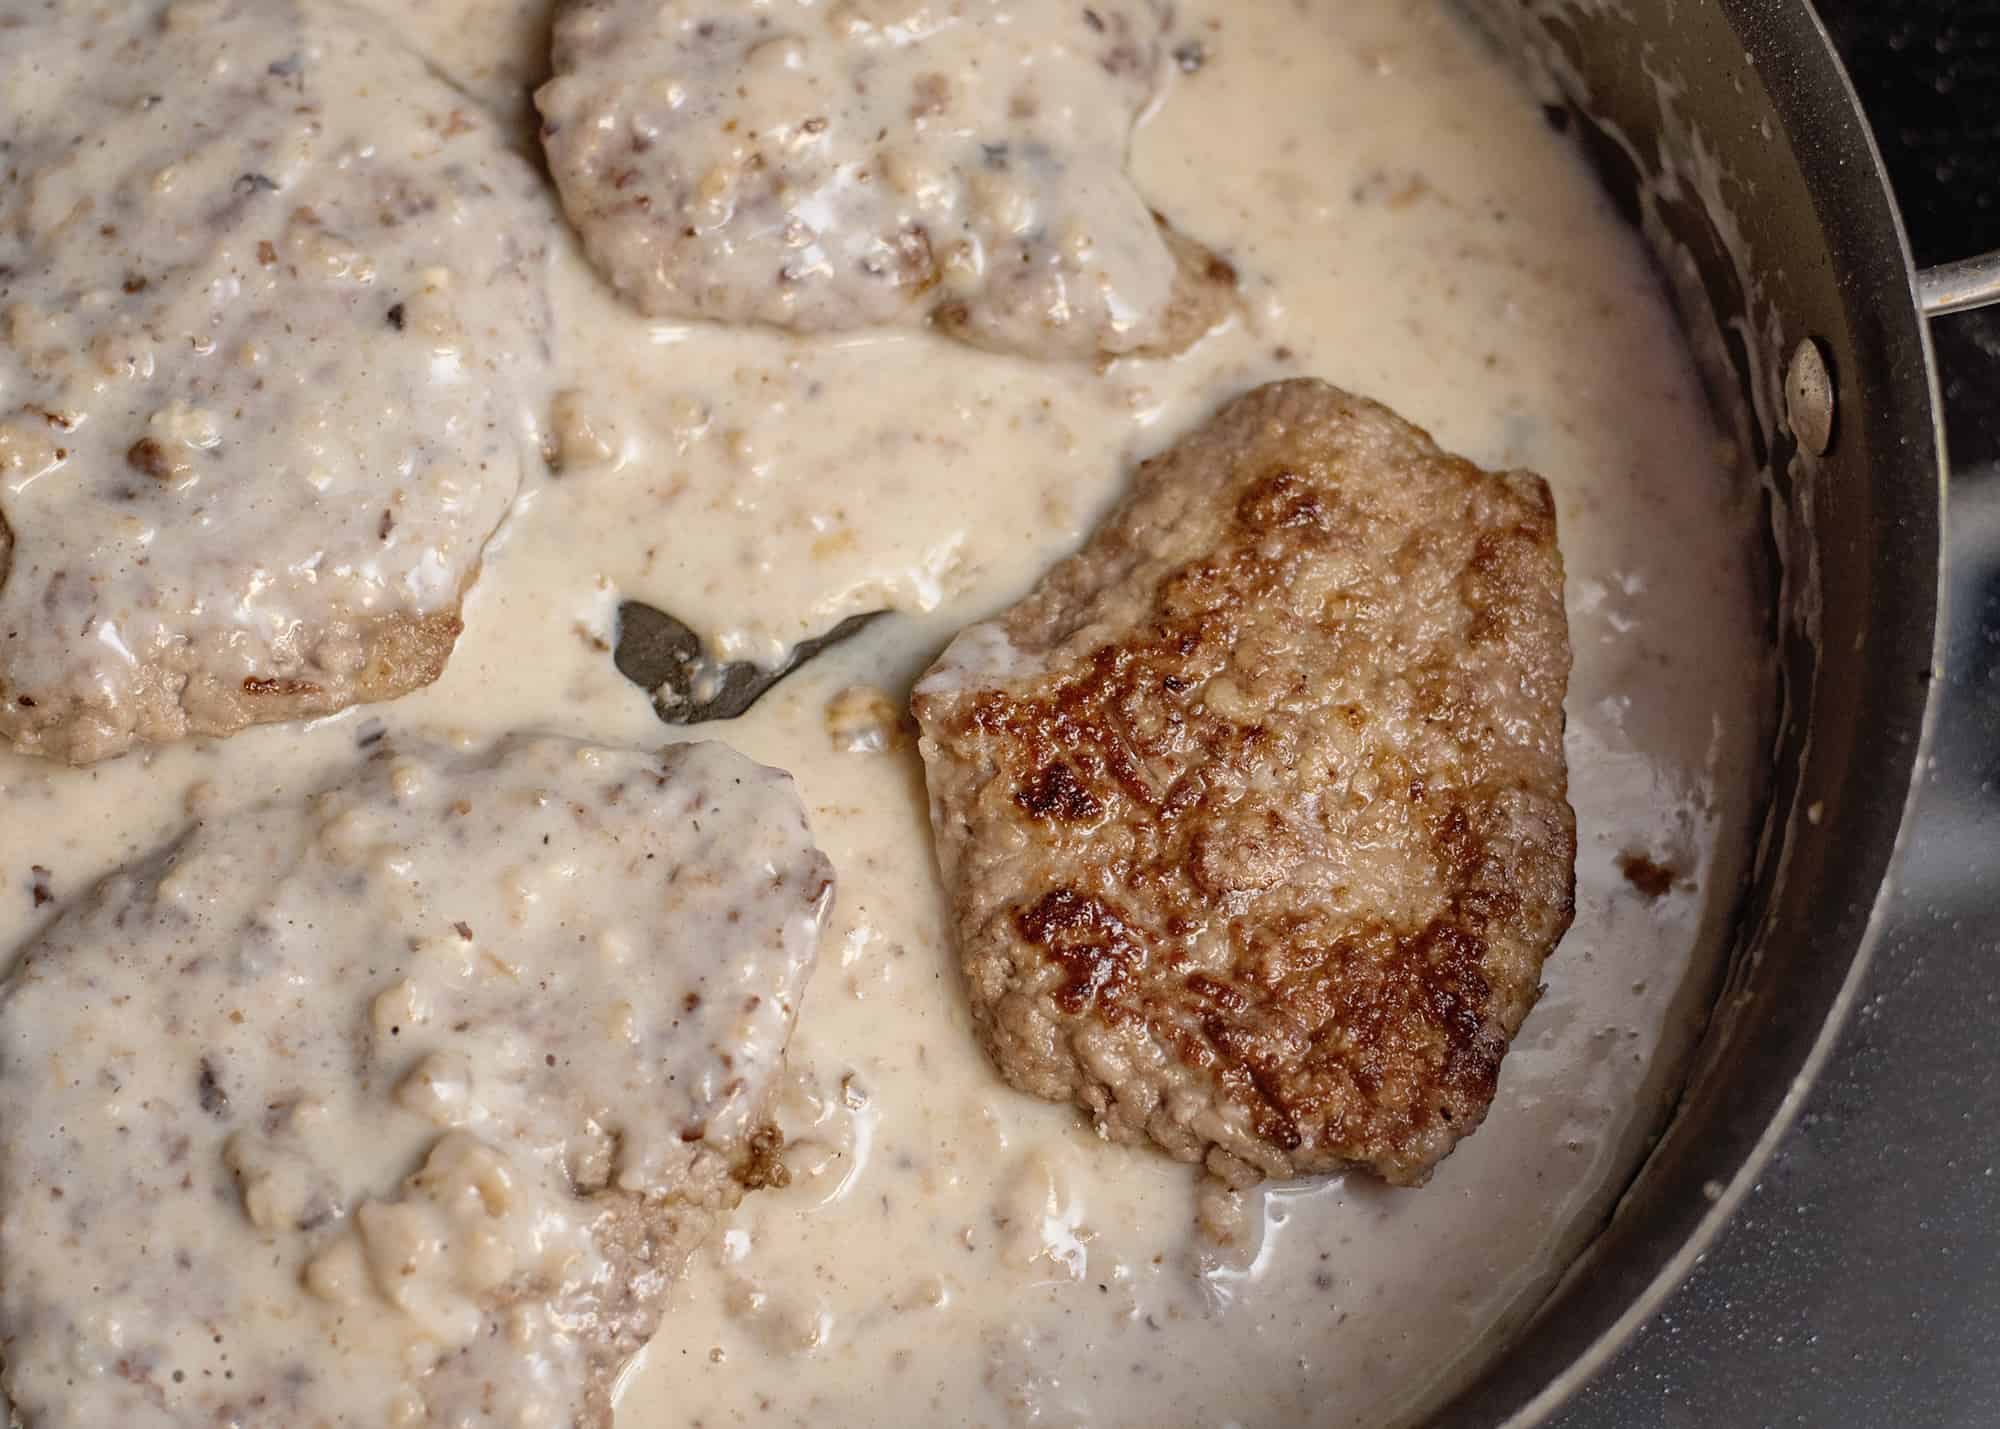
(272, 329)
(825, 167)
(402, 1104)
(1253, 814)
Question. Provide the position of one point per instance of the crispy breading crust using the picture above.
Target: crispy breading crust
(380, 658)
(1254, 813)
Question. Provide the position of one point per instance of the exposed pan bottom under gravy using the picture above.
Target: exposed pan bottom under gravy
(1405, 224)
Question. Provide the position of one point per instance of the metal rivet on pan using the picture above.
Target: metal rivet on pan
(1809, 397)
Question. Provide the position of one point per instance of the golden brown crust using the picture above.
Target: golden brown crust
(1254, 811)
(358, 662)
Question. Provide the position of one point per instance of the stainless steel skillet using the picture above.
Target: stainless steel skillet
(1729, 133)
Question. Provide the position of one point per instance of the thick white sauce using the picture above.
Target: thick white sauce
(949, 1251)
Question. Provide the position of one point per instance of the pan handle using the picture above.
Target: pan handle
(1961, 286)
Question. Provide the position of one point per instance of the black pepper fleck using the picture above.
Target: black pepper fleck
(214, 1100)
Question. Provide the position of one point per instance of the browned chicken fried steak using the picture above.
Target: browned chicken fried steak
(824, 168)
(273, 330)
(1253, 814)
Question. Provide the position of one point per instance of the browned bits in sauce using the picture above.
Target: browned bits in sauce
(214, 1100)
(930, 95)
(765, 1165)
(1652, 880)
(156, 459)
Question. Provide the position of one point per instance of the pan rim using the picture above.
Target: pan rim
(1569, 1341)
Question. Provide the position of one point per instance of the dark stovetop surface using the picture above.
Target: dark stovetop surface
(1860, 1283)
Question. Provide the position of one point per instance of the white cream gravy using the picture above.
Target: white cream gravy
(949, 1251)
